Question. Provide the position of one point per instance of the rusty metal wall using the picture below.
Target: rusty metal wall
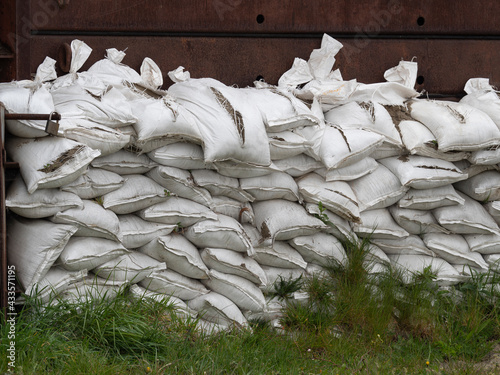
(235, 41)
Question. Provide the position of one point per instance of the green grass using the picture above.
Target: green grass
(354, 322)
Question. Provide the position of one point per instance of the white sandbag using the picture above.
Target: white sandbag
(94, 183)
(493, 261)
(387, 150)
(279, 255)
(428, 199)
(179, 155)
(177, 211)
(39, 204)
(286, 144)
(298, 165)
(29, 97)
(174, 284)
(282, 220)
(469, 271)
(253, 233)
(137, 232)
(342, 147)
(414, 265)
(234, 263)
(365, 115)
(224, 232)
(319, 248)
(181, 309)
(33, 246)
(49, 162)
(92, 220)
(207, 328)
(336, 196)
(179, 74)
(216, 308)
(87, 253)
(55, 281)
(336, 225)
(111, 109)
(218, 184)
(124, 163)
(421, 172)
(416, 221)
(242, 169)
(405, 73)
(385, 93)
(163, 121)
(316, 270)
(454, 249)
(151, 74)
(314, 134)
(455, 125)
(473, 169)
(379, 223)
(481, 187)
(231, 125)
(483, 97)
(419, 140)
(130, 131)
(111, 71)
(318, 67)
(279, 109)
(80, 52)
(493, 208)
(137, 192)
(16, 98)
(241, 211)
(179, 182)
(411, 245)
(178, 253)
(245, 294)
(483, 243)
(275, 274)
(376, 255)
(96, 136)
(487, 156)
(278, 185)
(352, 172)
(90, 289)
(469, 218)
(379, 189)
(271, 314)
(131, 268)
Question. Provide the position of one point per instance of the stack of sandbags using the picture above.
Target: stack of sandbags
(208, 194)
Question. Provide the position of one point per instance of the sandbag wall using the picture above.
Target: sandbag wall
(208, 193)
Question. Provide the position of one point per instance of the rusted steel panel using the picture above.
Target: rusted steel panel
(444, 65)
(461, 17)
(7, 39)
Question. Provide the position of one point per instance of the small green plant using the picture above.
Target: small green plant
(283, 289)
(354, 321)
(99, 200)
(322, 216)
(179, 228)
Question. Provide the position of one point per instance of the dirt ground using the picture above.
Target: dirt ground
(491, 365)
